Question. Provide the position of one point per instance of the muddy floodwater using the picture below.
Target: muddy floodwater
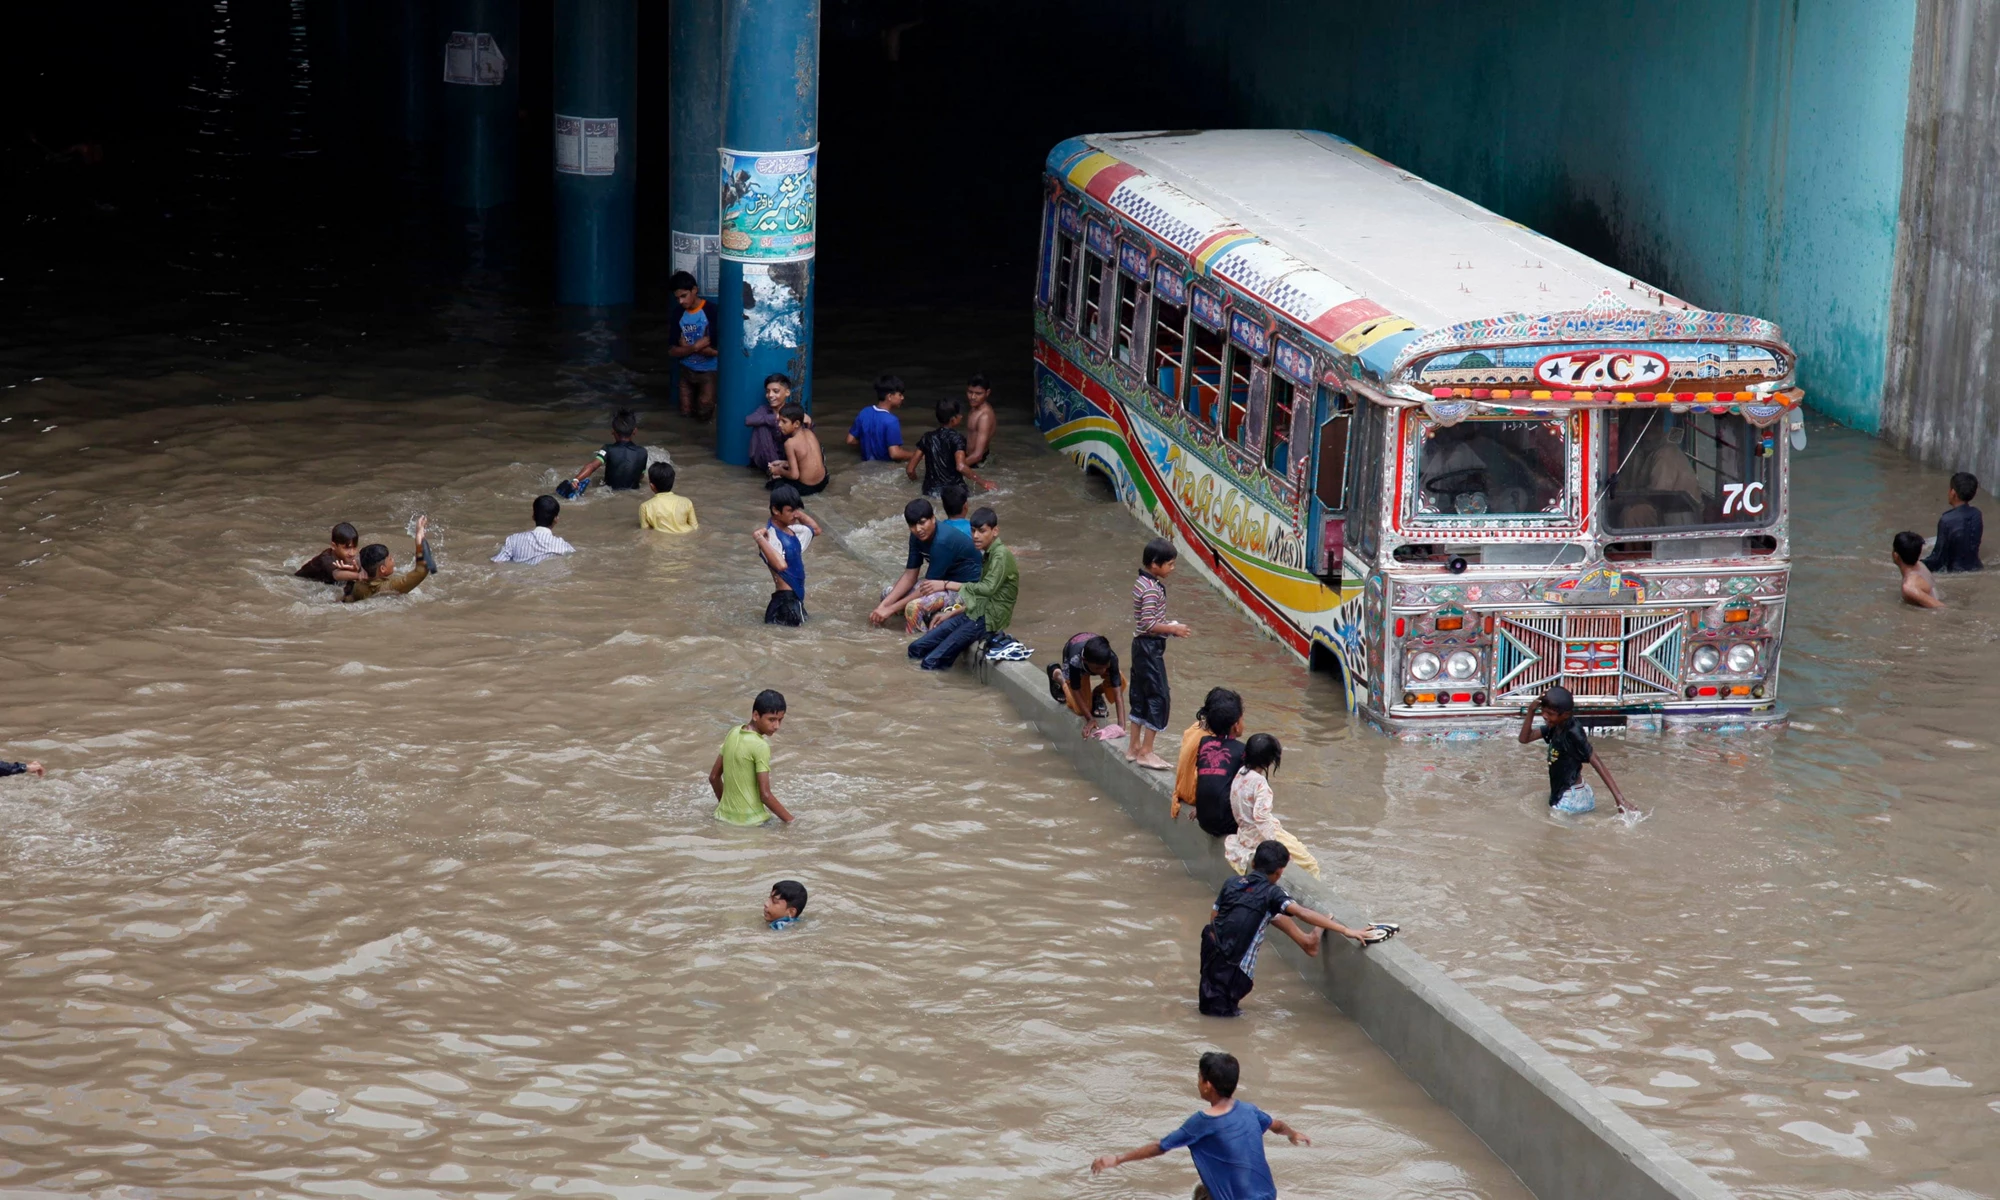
(422, 897)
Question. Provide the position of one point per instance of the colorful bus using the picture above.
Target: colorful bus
(1430, 450)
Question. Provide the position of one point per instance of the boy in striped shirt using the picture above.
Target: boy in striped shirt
(1150, 631)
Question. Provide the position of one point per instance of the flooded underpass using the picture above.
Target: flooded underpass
(423, 897)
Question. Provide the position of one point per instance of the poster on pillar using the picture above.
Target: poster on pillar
(774, 304)
(586, 145)
(474, 60)
(769, 205)
(697, 254)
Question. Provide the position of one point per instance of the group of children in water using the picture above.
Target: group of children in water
(1956, 547)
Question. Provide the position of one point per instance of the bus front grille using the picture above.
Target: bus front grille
(1607, 656)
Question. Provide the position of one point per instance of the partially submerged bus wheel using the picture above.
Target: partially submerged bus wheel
(1099, 484)
(1320, 660)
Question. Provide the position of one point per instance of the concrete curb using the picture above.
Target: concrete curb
(1557, 1132)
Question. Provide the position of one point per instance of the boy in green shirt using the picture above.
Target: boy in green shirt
(987, 603)
(741, 776)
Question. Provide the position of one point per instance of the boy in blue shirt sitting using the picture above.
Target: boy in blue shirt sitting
(876, 430)
(1226, 1139)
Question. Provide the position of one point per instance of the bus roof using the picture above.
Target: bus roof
(1359, 251)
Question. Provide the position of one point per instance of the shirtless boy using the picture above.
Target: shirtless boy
(979, 420)
(1917, 586)
(803, 466)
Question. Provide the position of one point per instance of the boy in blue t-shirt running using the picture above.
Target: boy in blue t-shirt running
(695, 349)
(1226, 1139)
(876, 430)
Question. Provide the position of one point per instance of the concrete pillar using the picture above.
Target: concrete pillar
(479, 46)
(694, 76)
(596, 155)
(767, 227)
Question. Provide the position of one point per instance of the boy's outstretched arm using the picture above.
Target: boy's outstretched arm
(589, 469)
(1291, 1135)
(770, 798)
(1302, 913)
(1604, 773)
(1104, 1162)
(911, 469)
(1308, 942)
(715, 777)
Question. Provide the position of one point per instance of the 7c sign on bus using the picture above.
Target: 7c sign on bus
(1602, 369)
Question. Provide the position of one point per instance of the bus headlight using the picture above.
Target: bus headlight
(1461, 664)
(1742, 658)
(1424, 665)
(1706, 660)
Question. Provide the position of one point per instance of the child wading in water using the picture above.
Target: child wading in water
(1918, 586)
(782, 542)
(741, 776)
(785, 905)
(1569, 749)
(1226, 1139)
(1150, 699)
(1250, 802)
(1245, 907)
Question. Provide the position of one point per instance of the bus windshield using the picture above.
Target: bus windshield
(1687, 471)
(1492, 468)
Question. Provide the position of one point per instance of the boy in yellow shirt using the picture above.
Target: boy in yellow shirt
(666, 511)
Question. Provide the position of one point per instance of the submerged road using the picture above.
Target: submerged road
(422, 898)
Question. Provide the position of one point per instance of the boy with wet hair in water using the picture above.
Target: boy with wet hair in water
(378, 569)
(741, 776)
(802, 463)
(782, 542)
(1918, 587)
(667, 511)
(339, 562)
(1569, 750)
(979, 420)
(1226, 1139)
(785, 905)
(623, 460)
(1959, 530)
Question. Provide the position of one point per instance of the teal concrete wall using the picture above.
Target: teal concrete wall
(1743, 154)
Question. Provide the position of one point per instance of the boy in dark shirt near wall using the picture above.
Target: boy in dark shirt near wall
(1217, 758)
(1959, 530)
(1569, 750)
(1246, 906)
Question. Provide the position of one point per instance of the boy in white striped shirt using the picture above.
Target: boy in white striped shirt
(1150, 631)
(540, 542)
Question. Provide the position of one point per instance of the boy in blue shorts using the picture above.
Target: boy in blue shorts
(1225, 1139)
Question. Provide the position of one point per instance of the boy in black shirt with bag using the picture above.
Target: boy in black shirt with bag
(1569, 749)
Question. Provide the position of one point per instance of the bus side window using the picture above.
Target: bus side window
(1090, 315)
(1204, 389)
(1240, 361)
(1125, 319)
(1278, 442)
(1065, 289)
(1331, 486)
(1169, 345)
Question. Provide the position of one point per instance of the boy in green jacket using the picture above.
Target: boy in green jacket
(986, 604)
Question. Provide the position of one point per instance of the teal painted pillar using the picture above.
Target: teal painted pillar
(596, 159)
(481, 45)
(694, 79)
(767, 231)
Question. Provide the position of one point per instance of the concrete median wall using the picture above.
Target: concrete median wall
(1557, 1132)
